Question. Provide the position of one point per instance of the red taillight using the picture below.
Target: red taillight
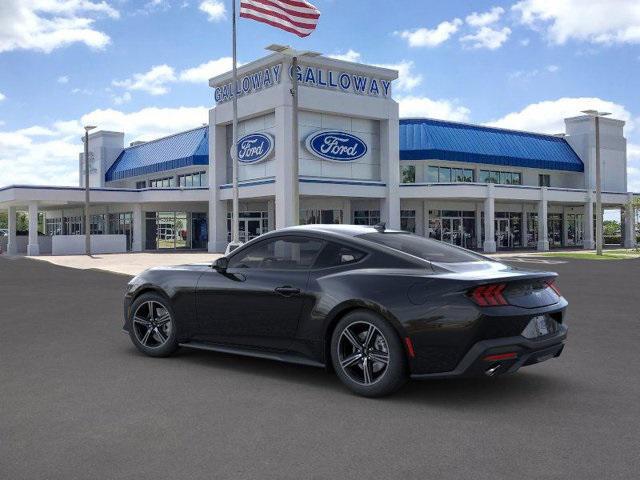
(489, 295)
(500, 356)
(552, 285)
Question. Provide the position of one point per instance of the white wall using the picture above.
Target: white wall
(105, 147)
(75, 244)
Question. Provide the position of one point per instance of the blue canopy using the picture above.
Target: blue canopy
(176, 151)
(426, 139)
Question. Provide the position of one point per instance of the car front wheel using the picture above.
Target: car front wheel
(367, 354)
(152, 325)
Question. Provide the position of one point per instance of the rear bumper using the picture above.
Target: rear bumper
(528, 352)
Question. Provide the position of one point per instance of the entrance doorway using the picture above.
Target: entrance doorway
(250, 225)
(504, 237)
(575, 232)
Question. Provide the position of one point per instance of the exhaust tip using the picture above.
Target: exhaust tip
(491, 371)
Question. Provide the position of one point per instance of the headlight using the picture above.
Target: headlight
(136, 282)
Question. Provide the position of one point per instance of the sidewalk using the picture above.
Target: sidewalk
(127, 263)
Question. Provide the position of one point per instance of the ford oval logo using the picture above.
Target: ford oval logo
(336, 146)
(255, 147)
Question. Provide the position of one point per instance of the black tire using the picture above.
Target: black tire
(160, 341)
(351, 370)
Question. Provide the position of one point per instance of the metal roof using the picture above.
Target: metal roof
(176, 151)
(427, 139)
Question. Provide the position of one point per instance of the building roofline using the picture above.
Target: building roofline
(555, 136)
(165, 137)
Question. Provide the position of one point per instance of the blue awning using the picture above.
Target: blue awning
(176, 151)
(426, 139)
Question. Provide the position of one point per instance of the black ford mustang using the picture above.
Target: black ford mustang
(374, 305)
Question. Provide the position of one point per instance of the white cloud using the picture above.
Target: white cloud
(414, 106)
(48, 155)
(548, 116)
(45, 25)
(594, 21)
(529, 74)
(122, 99)
(349, 56)
(63, 79)
(525, 42)
(487, 37)
(2, 96)
(214, 9)
(154, 81)
(424, 37)
(486, 18)
(407, 78)
(203, 72)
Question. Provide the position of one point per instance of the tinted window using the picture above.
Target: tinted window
(431, 250)
(281, 253)
(334, 255)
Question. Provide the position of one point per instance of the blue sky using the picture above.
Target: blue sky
(142, 66)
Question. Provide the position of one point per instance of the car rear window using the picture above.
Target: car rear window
(425, 248)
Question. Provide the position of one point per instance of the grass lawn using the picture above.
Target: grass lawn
(606, 255)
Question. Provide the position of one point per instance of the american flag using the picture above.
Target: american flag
(295, 16)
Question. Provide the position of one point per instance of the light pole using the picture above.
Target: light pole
(596, 115)
(87, 218)
(295, 147)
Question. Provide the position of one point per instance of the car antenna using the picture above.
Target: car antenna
(380, 227)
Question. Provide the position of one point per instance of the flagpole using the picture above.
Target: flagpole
(296, 144)
(235, 218)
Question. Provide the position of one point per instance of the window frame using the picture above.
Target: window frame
(262, 241)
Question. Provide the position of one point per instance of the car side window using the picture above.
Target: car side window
(283, 253)
(335, 254)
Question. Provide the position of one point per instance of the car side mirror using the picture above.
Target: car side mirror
(221, 264)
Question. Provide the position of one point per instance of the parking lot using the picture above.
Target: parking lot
(77, 400)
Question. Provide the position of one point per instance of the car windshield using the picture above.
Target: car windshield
(425, 248)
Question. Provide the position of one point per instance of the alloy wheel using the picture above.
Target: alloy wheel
(152, 324)
(363, 353)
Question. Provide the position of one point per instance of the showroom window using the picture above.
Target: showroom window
(166, 182)
(190, 180)
(504, 178)
(448, 175)
(408, 174)
(366, 217)
(408, 220)
(544, 180)
(142, 184)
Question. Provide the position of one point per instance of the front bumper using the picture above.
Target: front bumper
(528, 352)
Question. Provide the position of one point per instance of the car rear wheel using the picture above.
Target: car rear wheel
(367, 354)
(152, 325)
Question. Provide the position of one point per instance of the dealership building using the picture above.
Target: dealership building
(478, 187)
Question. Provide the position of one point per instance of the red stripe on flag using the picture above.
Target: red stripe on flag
(272, 13)
(268, 4)
(294, 16)
(275, 24)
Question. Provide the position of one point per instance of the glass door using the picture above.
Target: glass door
(504, 238)
(575, 233)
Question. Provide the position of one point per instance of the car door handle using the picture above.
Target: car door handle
(287, 291)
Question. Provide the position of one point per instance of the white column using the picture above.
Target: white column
(12, 247)
(346, 212)
(33, 248)
(425, 216)
(524, 232)
(138, 228)
(285, 216)
(588, 242)
(390, 165)
(219, 151)
(489, 245)
(565, 227)
(629, 224)
(478, 225)
(271, 214)
(543, 235)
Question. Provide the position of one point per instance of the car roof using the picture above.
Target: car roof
(344, 230)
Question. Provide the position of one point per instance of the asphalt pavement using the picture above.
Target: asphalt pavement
(77, 401)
